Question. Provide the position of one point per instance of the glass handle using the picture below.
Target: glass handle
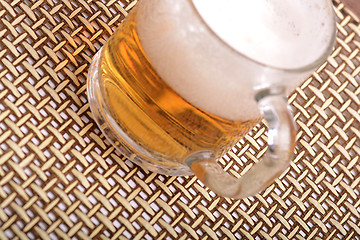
(281, 142)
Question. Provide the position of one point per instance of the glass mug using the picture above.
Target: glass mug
(174, 88)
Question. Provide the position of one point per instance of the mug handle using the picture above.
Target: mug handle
(281, 143)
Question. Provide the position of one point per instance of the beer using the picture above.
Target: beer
(170, 85)
(151, 113)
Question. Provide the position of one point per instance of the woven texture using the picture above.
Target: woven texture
(59, 177)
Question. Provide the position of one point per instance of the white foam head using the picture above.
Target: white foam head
(273, 32)
(213, 71)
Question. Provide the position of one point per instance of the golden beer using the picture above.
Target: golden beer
(161, 124)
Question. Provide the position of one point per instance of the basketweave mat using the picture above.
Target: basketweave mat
(60, 178)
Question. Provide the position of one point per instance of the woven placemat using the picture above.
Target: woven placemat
(60, 178)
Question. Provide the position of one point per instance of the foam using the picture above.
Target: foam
(273, 32)
(214, 76)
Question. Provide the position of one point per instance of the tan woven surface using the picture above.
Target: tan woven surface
(59, 178)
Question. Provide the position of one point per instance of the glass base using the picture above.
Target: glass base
(122, 142)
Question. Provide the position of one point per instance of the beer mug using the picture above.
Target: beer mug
(182, 81)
